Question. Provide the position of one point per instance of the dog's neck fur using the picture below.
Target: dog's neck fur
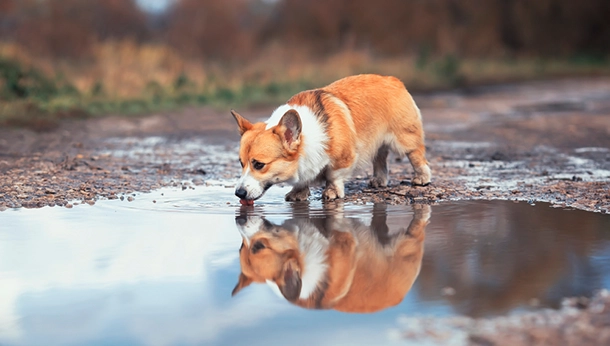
(314, 246)
(313, 141)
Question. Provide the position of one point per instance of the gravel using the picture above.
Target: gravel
(486, 143)
(521, 142)
(580, 322)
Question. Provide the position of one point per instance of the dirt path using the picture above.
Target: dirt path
(543, 141)
(539, 141)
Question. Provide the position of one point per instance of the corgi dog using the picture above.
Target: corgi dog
(324, 134)
(334, 263)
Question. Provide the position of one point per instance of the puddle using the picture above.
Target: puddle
(553, 106)
(162, 273)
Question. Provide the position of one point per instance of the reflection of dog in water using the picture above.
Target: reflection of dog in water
(334, 263)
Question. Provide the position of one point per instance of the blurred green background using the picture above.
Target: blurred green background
(82, 58)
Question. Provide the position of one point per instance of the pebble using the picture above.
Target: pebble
(33, 181)
(198, 181)
(448, 291)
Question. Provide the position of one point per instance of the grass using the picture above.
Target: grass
(126, 78)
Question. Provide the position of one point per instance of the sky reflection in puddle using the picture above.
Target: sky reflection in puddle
(162, 273)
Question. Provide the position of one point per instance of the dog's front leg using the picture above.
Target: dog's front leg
(335, 184)
(334, 190)
(298, 193)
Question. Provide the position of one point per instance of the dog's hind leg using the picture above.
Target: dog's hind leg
(411, 142)
(420, 166)
(380, 168)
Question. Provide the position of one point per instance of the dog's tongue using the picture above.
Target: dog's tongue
(246, 201)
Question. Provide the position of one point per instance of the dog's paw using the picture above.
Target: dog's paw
(422, 177)
(419, 181)
(377, 182)
(331, 193)
(296, 195)
(422, 212)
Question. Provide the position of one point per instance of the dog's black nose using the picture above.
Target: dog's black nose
(241, 193)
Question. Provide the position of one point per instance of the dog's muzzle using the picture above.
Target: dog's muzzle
(241, 193)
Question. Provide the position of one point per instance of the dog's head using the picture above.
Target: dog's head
(268, 154)
(269, 253)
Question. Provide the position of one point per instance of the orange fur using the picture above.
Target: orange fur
(362, 274)
(377, 105)
(362, 118)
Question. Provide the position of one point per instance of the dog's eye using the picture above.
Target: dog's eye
(257, 165)
(241, 163)
(256, 247)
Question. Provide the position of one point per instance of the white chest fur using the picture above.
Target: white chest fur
(314, 140)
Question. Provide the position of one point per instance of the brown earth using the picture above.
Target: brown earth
(538, 141)
(579, 322)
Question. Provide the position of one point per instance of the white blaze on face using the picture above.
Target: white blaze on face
(250, 227)
(247, 182)
(275, 288)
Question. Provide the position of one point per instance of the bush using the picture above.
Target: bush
(18, 83)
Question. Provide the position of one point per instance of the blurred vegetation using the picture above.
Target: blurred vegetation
(79, 58)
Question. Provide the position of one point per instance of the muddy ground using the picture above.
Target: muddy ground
(579, 322)
(538, 141)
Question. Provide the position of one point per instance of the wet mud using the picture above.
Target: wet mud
(532, 142)
(538, 141)
(580, 321)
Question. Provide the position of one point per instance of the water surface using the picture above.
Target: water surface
(162, 273)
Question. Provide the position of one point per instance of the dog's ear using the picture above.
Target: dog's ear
(243, 282)
(291, 289)
(289, 129)
(243, 124)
